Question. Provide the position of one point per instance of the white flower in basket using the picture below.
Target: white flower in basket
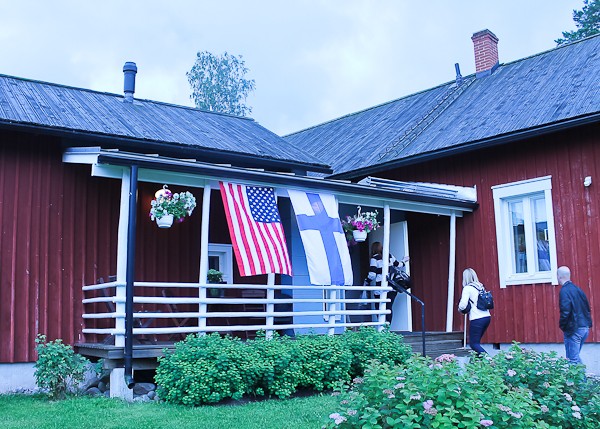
(360, 225)
(168, 207)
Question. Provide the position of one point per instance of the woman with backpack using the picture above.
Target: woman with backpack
(479, 319)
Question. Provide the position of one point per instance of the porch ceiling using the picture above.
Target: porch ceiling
(435, 199)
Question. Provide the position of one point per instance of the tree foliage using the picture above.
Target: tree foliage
(587, 21)
(219, 83)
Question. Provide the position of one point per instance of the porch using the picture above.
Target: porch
(142, 317)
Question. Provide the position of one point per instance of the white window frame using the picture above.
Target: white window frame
(225, 255)
(503, 195)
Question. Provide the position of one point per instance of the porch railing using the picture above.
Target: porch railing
(326, 308)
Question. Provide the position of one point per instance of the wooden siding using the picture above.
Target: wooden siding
(56, 235)
(525, 313)
(59, 231)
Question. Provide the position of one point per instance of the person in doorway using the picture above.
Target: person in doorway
(479, 319)
(575, 315)
(376, 269)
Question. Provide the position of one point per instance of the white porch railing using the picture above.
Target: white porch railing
(328, 306)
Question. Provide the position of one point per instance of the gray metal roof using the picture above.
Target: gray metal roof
(61, 108)
(548, 88)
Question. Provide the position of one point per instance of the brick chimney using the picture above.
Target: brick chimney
(485, 44)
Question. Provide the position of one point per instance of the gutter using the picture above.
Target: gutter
(283, 180)
(469, 147)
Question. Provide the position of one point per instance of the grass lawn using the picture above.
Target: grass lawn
(36, 412)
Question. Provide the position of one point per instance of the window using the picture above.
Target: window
(525, 232)
(220, 259)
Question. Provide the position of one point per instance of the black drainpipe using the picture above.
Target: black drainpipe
(129, 278)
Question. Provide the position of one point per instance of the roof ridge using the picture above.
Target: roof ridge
(547, 51)
(375, 106)
(112, 94)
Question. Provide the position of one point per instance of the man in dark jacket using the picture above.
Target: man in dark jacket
(575, 315)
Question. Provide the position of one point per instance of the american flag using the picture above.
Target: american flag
(256, 230)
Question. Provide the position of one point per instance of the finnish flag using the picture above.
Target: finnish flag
(323, 238)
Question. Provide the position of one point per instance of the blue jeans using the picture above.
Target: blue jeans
(574, 343)
(476, 330)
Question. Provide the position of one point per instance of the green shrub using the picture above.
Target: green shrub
(367, 344)
(515, 389)
(278, 371)
(206, 369)
(325, 361)
(210, 368)
(58, 368)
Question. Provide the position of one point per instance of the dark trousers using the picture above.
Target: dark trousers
(476, 330)
(392, 296)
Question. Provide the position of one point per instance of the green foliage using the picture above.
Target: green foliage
(515, 389)
(587, 21)
(210, 368)
(219, 85)
(206, 369)
(214, 276)
(367, 344)
(58, 367)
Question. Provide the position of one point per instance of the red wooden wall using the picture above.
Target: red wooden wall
(56, 234)
(525, 313)
(59, 230)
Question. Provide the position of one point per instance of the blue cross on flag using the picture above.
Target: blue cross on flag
(323, 238)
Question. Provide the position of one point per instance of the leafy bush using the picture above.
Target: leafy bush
(210, 368)
(58, 367)
(515, 389)
(205, 369)
(367, 344)
(325, 361)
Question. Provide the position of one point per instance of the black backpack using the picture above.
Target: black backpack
(485, 300)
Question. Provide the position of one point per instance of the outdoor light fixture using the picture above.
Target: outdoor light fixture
(587, 181)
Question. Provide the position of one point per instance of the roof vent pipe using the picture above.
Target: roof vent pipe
(459, 78)
(129, 70)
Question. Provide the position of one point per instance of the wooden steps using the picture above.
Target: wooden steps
(436, 343)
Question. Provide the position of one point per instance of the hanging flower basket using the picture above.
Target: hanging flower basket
(168, 207)
(165, 222)
(359, 236)
(358, 226)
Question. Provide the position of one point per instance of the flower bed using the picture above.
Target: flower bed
(515, 389)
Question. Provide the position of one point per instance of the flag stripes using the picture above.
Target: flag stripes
(256, 230)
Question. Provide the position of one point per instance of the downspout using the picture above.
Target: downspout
(129, 278)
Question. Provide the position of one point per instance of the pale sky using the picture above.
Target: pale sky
(312, 60)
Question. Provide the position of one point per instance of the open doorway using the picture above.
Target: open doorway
(402, 310)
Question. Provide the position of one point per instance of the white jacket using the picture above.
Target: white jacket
(471, 292)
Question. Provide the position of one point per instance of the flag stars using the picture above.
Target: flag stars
(263, 206)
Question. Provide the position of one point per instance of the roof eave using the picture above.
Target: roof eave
(172, 148)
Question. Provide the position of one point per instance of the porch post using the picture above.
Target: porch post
(385, 258)
(118, 387)
(204, 253)
(270, 307)
(451, 273)
(122, 257)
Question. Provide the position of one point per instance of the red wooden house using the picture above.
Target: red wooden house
(82, 261)
(526, 134)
